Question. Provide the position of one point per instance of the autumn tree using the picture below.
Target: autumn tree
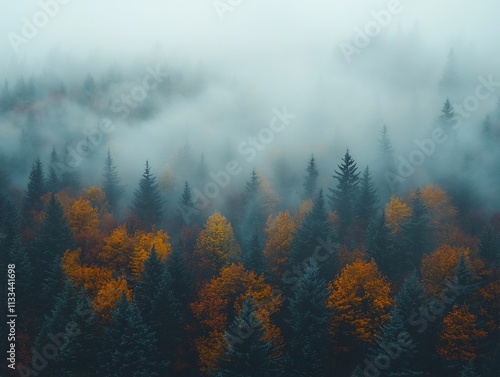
(459, 340)
(220, 301)
(397, 213)
(251, 355)
(143, 243)
(118, 251)
(279, 231)
(360, 300)
(148, 204)
(83, 221)
(216, 247)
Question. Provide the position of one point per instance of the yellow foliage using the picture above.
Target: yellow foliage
(361, 300)
(460, 337)
(82, 218)
(95, 196)
(397, 213)
(279, 231)
(118, 250)
(143, 243)
(216, 247)
(304, 208)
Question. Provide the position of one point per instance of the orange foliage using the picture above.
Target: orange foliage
(220, 300)
(490, 304)
(108, 295)
(361, 301)
(440, 266)
(279, 231)
(460, 336)
(349, 257)
(397, 213)
(302, 211)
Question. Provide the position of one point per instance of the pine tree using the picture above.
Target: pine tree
(36, 188)
(343, 197)
(409, 299)
(52, 241)
(129, 344)
(489, 246)
(182, 281)
(253, 258)
(309, 321)
(253, 211)
(469, 370)
(54, 180)
(447, 117)
(366, 205)
(251, 355)
(416, 235)
(71, 177)
(381, 246)
(147, 287)
(187, 212)
(464, 278)
(111, 185)
(311, 179)
(148, 204)
(78, 358)
(24, 275)
(386, 172)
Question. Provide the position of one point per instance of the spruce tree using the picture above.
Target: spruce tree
(182, 280)
(53, 239)
(129, 346)
(251, 355)
(309, 322)
(35, 189)
(54, 180)
(187, 212)
(447, 117)
(311, 179)
(24, 275)
(147, 287)
(343, 197)
(253, 211)
(381, 246)
(489, 246)
(366, 205)
(148, 204)
(253, 257)
(111, 185)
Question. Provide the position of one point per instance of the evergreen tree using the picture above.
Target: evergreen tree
(313, 231)
(187, 212)
(79, 358)
(343, 197)
(489, 246)
(381, 246)
(70, 177)
(9, 229)
(129, 344)
(386, 176)
(416, 236)
(36, 188)
(147, 287)
(404, 359)
(24, 275)
(311, 179)
(309, 321)
(111, 185)
(54, 180)
(253, 211)
(253, 356)
(447, 117)
(366, 206)
(52, 241)
(464, 278)
(182, 281)
(253, 258)
(469, 370)
(148, 204)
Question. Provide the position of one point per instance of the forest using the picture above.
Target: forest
(353, 273)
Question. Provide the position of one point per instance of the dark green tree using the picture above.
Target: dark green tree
(343, 197)
(130, 348)
(309, 344)
(311, 179)
(54, 179)
(366, 205)
(24, 275)
(111, 185)
(146, 289)
(187, 212)
(35, 189)
(381, 246)
(489, 246)
(469, 370)
(253, 257)
(52, 241)
(148, 204)
(250, 355)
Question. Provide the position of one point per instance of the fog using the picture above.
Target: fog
(222, 72)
